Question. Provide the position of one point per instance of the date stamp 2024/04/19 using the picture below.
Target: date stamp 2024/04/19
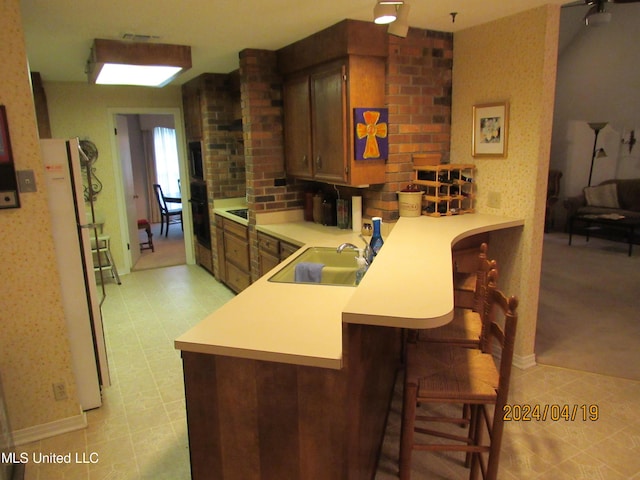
(555, 412)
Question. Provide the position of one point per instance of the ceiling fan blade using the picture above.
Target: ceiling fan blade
(597, 15)
(577, 3)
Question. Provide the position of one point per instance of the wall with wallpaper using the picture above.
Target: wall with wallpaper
(511, 59)
(34, 351)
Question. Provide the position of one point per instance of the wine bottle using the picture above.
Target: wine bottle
(376, 239)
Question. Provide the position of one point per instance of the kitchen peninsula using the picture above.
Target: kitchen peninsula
(294, 380)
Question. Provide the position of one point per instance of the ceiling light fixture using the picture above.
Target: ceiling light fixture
(386, 11)
(400, 27)
(115, 62)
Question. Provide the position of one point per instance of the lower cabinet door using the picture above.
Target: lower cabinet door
(267, 262)
(236, 278)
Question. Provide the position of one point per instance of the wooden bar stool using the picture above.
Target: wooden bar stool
(466, 327)
(144, 224)
(444, 374)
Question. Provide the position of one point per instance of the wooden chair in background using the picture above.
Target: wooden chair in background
(167, 215)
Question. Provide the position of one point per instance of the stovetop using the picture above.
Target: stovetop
(240, 212)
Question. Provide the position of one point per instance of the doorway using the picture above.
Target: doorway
(133, 140)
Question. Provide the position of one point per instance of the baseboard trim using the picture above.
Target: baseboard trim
(51, 429)
(524, 361)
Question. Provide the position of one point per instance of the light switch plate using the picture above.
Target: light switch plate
(26, 181)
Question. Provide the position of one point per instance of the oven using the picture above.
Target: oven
(200, 213)
(195, 160)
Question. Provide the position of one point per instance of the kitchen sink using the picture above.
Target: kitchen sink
(337, 268)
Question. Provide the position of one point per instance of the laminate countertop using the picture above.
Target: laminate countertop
(409, 285)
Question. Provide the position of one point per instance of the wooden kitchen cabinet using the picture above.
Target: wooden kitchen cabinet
(319, 124)
(272, 251)
(297, 127)
(315, 146)
(328, 132)
(287, 249)
(291, 421)
(233, 254)
(222, 270)
(268, 252)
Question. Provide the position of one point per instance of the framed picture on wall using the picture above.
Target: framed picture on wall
(490, 130)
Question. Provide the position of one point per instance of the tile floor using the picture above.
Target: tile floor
(605, 449)
(140, 431)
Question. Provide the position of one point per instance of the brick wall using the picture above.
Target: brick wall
(418, 91)
(418, 95)
(222, 137)
(261, 91)
(263, 136)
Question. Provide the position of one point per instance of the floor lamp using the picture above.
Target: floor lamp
(596, 153)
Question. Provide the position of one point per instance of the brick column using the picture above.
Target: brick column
(261, 89)
(418, 91)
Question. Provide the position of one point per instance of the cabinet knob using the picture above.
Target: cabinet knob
(318, 162)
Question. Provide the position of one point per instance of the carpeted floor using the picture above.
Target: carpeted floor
(169, 251)
(588, 308)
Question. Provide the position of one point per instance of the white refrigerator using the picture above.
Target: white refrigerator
(72, 233)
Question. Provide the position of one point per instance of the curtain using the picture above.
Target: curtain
(149, 158)
(161, 156)
(166, 160)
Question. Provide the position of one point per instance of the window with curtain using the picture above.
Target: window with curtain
(166, 159)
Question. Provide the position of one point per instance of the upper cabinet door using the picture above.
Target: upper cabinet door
(319, 124)
(297, 127)
(328, 124)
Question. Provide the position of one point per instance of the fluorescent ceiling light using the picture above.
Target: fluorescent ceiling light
(149, 76)
(115, 62)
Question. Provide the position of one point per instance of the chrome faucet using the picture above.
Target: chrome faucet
(346, 245)
(366, 249)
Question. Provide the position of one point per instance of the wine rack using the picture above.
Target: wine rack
(449, 188)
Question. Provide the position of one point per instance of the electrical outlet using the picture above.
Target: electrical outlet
(60, 391)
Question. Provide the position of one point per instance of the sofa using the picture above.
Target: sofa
(617, 197)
